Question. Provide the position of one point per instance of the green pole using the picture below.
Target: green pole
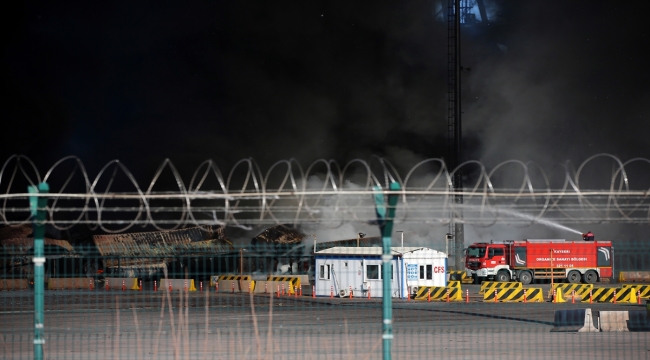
(386, 215)
(37, 206)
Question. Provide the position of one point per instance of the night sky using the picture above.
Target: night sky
(138, 82)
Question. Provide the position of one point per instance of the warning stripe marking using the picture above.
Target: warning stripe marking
(291, 279)
(515, 295)
(439, 293)
(460, 275)
(602, 294)
(644, 290)
(234, 277)
(489, 286)
(624, 295)
(581, 290)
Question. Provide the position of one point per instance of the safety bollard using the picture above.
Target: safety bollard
(283, 293)
(295, 291)
(638, 297)
(368, 292)
(170, 285)
(233, 287)
(216, 286)
(155, 285)
(614, 296)
(590, 297)
(350, 292)
(447, 295)
(278, 290)
(573, 297)
(524, 296)
(429, 295)
(123, 286)
(331, 292)
(467, 296)
(313, 291)
(201, 286)
(106, 283)
(554, 296)
(496, 295)
(266, 288)
(249, 287)
(140, 285)
(300, 289)
(90, 283)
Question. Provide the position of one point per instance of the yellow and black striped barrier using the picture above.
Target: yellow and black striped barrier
(623, 295)
(439, 293)
(626, 295)
(602, 294)
(582, 290)
(454, 284)
(291, 282)
(515, 295)
(234, 277)
(294, 280)
(643, 290)
(460, 275)
(216, 278)
(489, 286)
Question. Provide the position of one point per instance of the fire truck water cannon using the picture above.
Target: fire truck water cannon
(588, 236)
(531, 259)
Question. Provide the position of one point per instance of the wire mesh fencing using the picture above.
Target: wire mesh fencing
(270, 303)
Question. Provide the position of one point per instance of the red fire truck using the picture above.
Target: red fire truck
(527, 260)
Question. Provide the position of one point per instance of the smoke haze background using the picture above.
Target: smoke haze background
(549, 82)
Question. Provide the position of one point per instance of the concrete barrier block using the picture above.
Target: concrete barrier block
(177, 284)
(613, 321)
(116, 283)
(262, 286)
(634, 276)
(638, 320)
(226, 286)
(574, 320)
(13, 284)
(244, 286)
(70, 283)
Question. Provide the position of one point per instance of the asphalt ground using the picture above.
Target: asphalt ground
(81, 324)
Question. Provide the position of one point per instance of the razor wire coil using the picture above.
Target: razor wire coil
(323, 192)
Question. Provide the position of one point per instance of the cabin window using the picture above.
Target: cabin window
(498, 252)
(391, 271)
(324, 273)
(372, 272)
(429, 272)
(421, 272)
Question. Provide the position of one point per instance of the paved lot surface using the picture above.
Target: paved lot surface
(141, 325)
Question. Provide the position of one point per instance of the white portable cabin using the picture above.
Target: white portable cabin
(340, 268)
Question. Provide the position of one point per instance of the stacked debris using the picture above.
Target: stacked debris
(159, 247)
(358, 242)
(16, 254)
(279, 239)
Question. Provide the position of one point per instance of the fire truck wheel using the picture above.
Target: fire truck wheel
(590, 277)
(503, 276)
(525, 277)
(573, 277)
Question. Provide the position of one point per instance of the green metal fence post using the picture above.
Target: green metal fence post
(37, 206)
(386, 215)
